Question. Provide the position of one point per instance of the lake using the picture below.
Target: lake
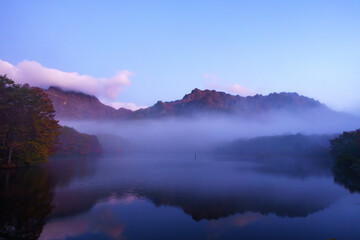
(172, 196)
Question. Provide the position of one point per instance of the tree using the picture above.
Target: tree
(28, 129)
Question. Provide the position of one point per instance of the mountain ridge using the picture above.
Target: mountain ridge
(221, 102)
(78, 105)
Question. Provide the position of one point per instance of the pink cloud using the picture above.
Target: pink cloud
(240, 90)
(127, 105)
(37, 75)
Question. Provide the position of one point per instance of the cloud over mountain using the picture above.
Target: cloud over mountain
(131, 106)
(240, 90)
(35, 74)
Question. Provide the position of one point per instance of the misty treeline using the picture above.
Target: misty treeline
(284, 145)
(274, 132)
(28, 129)
(73, 143)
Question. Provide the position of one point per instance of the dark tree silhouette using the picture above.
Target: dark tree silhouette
(346, 149)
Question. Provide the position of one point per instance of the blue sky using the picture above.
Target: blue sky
(172, 47)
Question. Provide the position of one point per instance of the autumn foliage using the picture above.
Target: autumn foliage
(28, 129)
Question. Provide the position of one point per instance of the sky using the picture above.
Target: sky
(134, 53)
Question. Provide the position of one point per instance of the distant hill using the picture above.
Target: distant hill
(71, 143)
(76, 105)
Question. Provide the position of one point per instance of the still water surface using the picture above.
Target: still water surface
(178, 197)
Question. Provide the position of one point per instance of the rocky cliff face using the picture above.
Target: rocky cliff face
(74, 105)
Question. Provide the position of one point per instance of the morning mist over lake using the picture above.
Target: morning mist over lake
(179, 120)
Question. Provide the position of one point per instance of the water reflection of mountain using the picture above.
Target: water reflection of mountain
(201, 206)
(207, 196)
(215, 207)
(202, 189)
(26, 197)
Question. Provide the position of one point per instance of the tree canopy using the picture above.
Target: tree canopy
(346, 149)
(28, 129)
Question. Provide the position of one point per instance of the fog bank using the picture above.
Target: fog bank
(207, 131)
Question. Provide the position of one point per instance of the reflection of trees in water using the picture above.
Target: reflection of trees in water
(26, 195)
(26, 200)
(296, 167)
(348, 178)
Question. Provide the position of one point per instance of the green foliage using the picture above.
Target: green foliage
(346, 149)
(28, 129)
